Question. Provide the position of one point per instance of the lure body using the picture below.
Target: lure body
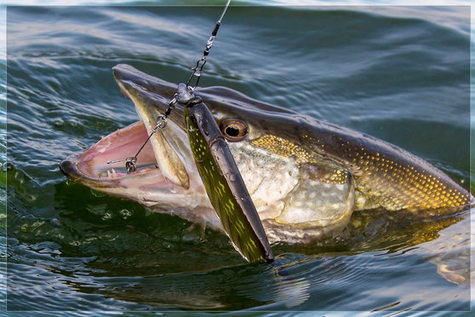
(222, 180)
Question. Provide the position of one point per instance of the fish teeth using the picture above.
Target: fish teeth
(112, 173)
(103, 174)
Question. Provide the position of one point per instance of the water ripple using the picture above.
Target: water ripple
(399, 73)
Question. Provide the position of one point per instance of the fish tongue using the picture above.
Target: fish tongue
(168, 161)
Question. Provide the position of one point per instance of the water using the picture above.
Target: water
(398, 73)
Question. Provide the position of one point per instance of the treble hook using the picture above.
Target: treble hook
(131, 162)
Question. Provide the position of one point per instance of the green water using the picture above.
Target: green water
(399, 73)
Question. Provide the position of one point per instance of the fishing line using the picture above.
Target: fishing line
(131, 162)
(216, 166)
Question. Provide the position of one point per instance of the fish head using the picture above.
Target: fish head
(294, 189)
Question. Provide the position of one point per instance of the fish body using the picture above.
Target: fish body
(305, 176)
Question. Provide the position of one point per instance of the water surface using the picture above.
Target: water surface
(399, 73)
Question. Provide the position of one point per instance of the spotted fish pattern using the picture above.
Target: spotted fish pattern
(381, 179)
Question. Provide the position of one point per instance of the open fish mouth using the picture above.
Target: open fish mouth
(91, 166)
(147, 184)
(164, 163)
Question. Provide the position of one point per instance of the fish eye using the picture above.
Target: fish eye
(234, 130)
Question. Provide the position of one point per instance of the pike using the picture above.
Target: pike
(305, 176)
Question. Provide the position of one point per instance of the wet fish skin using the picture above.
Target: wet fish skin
(306, 176)
(385, 175)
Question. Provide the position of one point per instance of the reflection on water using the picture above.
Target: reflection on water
(141, 261)
(400, 74)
